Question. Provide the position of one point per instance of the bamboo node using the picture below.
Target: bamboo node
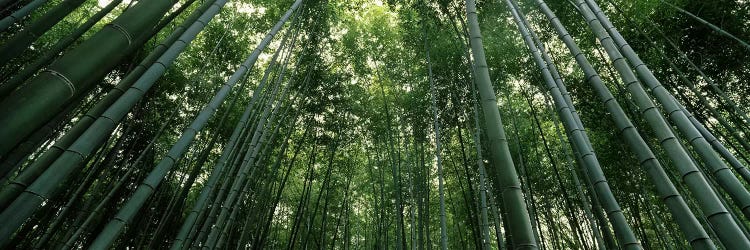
(124, 32)
(64, 79)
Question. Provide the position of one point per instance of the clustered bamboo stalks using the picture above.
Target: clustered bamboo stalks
(287, 165)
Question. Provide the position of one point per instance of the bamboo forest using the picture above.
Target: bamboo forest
(374, 124)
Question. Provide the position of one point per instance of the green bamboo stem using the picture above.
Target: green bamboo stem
(224, 234)
(607, 238)
(39, 139)
(438, 149)
(189, 223)
(558, 80)
(729, 104)
(507, 178)
(480, 160)
(237, 159)
(717, 214)
(523, 174)
(281, 186)
(241, 184)
(229, 149)
(80, 190)
(598, 240)
(261, 218)
(715, 143)
(736, 164)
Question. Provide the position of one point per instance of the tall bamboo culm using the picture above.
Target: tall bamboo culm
(506, 177)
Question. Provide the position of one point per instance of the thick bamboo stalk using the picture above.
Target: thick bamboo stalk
(486, 244)
(27, 71)
(718, 146)
(507, 178)
(73, 74)
(708, 201)
(715, 143)
(483, 185)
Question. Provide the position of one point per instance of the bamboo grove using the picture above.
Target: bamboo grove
(330, 124)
